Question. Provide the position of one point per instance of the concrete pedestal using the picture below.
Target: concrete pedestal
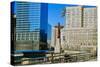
(57, 46)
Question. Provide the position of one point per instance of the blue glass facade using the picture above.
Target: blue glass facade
(31, 25)
(28, 16)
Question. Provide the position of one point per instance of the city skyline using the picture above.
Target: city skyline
(55, 12)
(52, 33)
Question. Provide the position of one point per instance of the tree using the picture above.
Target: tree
(63, 12)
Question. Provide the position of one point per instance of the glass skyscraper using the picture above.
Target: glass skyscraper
(31, 20)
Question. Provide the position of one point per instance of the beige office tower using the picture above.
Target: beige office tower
(73, 16)
(90, 17)
(81, 29)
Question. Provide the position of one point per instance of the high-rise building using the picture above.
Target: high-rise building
(80, 31)
(81, 16)
(49, 35)
(73, 16)
(30, 20)
(90, 17)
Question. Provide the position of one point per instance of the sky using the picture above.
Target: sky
(54, 14)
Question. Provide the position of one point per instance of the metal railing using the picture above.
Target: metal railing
(58, 58)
